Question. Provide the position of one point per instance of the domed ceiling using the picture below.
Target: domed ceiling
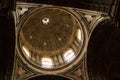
(51, 37)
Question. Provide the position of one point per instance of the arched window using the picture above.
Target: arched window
(69, 55)
(27, 52)
(79, 35)
(47, 62)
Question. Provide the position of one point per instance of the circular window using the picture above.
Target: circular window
(51, 38)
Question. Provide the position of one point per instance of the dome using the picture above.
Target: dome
(51, 38)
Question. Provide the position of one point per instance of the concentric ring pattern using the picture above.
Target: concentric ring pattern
(51, 37)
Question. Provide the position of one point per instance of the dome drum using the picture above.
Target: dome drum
(51, 38)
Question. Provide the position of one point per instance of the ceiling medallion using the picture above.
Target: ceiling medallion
(51, 38)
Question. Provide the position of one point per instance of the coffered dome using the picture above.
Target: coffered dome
(51, 37)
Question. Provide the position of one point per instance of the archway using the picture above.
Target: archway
(49, 77)
(97, 56)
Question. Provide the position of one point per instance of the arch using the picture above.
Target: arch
(69, 55)
(49, 77)
(96, 58)
(46, 62)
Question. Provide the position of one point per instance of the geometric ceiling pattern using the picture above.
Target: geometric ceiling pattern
(51, 37)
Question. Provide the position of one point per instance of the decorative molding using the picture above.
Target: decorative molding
(23, 70)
